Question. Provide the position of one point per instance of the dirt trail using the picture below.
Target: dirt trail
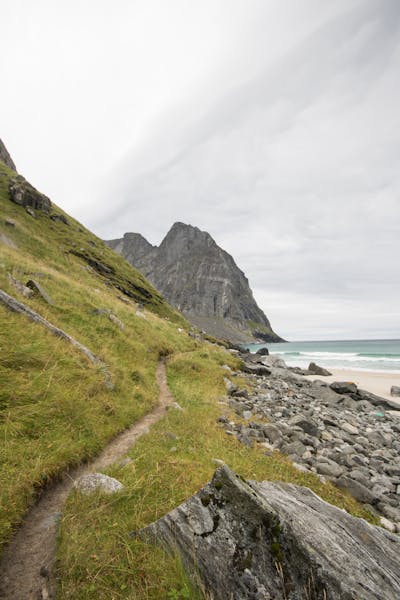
(27, 563)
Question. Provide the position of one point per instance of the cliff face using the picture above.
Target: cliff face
(201, 280)
(5, 157)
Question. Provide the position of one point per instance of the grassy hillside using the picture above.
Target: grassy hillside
(56, 409)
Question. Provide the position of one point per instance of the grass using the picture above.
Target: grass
(55, 410)
(168, 465)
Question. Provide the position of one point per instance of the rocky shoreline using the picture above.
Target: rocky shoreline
(343, 434)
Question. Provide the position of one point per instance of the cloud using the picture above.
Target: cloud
(274, 126)
(295, 173)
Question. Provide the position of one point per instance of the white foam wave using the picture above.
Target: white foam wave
(342, 356)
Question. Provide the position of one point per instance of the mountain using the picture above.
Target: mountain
(201, 280)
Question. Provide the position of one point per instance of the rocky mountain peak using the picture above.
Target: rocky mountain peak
(201, 280)
(6, 158)
(183, 238)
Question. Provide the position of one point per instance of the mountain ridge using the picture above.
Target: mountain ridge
(201, 280)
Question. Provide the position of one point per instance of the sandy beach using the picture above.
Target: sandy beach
(377, 383)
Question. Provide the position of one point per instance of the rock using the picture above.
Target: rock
(208, 287)
(306, 425)
(247, 414)
(62, 219)
(116, 321)
(357, 490)
(384, 403)
(93, 482)
(343, 387)
(299, 371)
(349, 428)
(18, 285)
(330, 469)
(230, 387)
(256, 369)
(272, 433)
(274, 361)
(375, 437)
(236, 393)
(395, 390)
(38, 290)
(264, 352)
(387, 524)
(23, 193)
(249, 540)
(296, 448)
(316, 370)
(10, 223)
(30, 212)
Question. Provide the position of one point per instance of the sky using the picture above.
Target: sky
(272, 124)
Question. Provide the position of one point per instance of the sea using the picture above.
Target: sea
(358, 355)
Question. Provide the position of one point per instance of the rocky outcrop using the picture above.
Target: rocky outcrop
(24, 194)
(340, 432)
(250, 540)
(200, 279)
(6, 158)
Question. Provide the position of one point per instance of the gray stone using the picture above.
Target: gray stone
(297, 448)
(39, 290)
(272, 433)
(375, 437)
(249, 540)
(23, 193)
(330, 469)
(316, 370)
(97, 482)
(343, 387)
(395, 390)
(306, 425)
(263, 352)
(20, 287)
(349, 428)
(256, 369)
(357, 490)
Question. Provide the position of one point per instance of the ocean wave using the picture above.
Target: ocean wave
(387, 355)
(343, 356)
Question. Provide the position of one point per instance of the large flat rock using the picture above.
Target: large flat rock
(251, 540)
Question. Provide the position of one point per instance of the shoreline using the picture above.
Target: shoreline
(376, 382)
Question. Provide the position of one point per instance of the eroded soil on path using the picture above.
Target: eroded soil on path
(26, 568)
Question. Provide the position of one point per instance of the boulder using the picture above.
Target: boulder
(343, 387)
(18, 285)
(356, 489)
(263, 351)
(305, 424)
(255, 369)
(314, 369)
(23, 193)
(39, 291)
(97, 482)
(395, 390)
(329, 469)
(384, 403)
(249, 540)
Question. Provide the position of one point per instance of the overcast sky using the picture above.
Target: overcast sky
(272, 124)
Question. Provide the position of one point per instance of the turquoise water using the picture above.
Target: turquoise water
(364, 355)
